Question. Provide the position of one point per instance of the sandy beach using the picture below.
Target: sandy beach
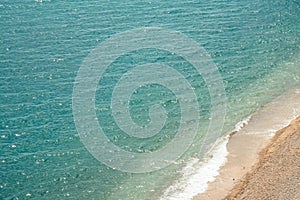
(276, 174)
(264, 156)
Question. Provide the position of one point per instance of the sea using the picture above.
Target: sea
(50, 145)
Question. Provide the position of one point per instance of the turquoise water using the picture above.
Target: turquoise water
(254, 44)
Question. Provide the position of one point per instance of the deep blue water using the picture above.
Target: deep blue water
(43, 45)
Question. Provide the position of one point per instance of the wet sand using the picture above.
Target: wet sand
(264, 156)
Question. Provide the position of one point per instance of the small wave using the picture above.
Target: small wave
(197, 174)
(241, 124)
(41, 1)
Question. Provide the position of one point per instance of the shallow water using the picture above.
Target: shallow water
(254, 44)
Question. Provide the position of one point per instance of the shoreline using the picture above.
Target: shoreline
(245, 145)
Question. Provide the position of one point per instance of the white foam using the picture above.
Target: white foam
(41, 1)
(197, 174)
(241, 124)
